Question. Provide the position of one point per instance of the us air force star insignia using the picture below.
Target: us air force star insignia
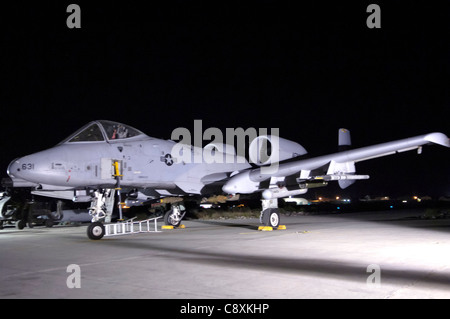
(168, 159)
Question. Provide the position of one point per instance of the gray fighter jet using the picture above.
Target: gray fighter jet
(105, 159)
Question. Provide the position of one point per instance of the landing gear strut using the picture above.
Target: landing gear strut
(102, 206)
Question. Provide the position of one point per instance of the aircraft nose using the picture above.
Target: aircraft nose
(14, 168)
(36, 168)
(22, 167)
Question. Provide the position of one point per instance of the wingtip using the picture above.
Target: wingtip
(438, 138)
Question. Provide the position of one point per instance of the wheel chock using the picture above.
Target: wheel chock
(269, 228)
(172, 227)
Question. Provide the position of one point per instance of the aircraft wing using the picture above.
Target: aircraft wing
(341, 164)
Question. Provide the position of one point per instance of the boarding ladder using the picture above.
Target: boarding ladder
(131, 226)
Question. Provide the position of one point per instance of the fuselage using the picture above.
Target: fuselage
(86, 160)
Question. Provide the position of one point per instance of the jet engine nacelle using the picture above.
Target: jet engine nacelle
(222, 148)
(268, 149)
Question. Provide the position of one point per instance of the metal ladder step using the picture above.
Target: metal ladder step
(132, 227)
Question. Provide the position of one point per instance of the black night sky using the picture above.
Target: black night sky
(307, 69)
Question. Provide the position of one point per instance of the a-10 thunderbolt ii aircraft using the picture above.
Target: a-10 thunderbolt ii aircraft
(103, 156)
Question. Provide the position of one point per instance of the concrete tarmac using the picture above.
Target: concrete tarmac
(389, 254)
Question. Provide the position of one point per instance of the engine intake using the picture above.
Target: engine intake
(268, 149)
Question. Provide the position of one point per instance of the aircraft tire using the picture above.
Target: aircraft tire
(49, 223)
(20, 224)
(96, 231)
(168, 220)
(270, 217)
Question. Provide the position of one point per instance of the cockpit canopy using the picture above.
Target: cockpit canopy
(102, 130)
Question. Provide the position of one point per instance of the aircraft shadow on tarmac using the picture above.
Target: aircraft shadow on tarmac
(334, 269)
(222, 223)
(401, 218)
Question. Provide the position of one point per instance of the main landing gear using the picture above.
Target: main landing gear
(174, 216)
(270, 214)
